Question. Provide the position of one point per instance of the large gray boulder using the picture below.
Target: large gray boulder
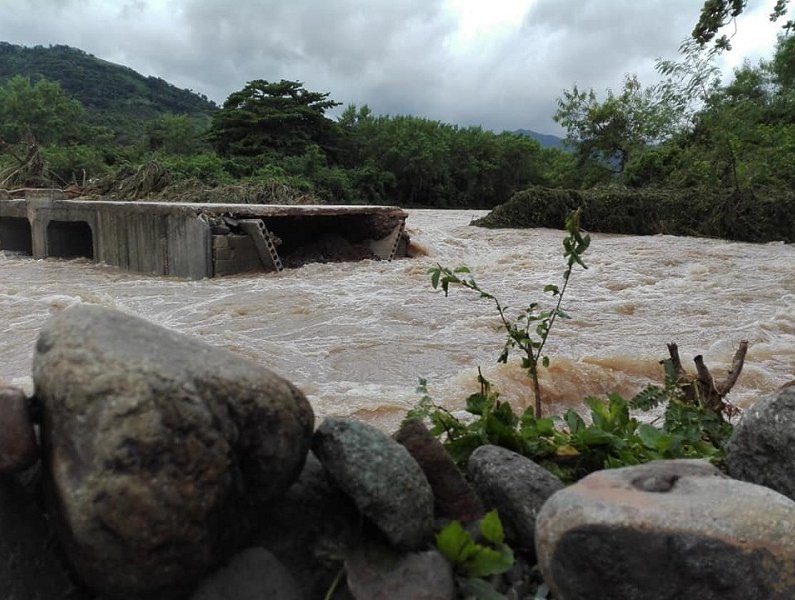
(666, 530)
(380, 476)
(152, 438)
(514, 485)
(761, 449)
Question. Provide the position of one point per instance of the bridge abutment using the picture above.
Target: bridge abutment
(182, 239)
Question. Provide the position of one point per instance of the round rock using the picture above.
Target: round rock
(151, 439)
(762, 446)
(514, 485)
(376, 572)
(667, 529)
(383, 480)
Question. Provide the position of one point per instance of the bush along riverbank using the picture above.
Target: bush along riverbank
(750, 216)
(170, 469)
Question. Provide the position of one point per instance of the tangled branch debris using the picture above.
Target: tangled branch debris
(30, 170)
(703, 389)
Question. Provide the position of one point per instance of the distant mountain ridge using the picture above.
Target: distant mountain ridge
(114, 94)
(546, 140)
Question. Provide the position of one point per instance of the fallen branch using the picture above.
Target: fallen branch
(702, 389)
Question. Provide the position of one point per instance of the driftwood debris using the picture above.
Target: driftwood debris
(31, 169)
(702, 388)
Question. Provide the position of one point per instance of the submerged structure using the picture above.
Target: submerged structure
(196, 240)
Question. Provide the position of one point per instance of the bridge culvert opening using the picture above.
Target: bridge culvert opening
(327, 238)
(69, 239)
(15, 235)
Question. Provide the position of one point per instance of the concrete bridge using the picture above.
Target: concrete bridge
(196, 240)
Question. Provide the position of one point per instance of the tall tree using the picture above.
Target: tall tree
(38, 112)
(175, 134)
(609, 132)
(281, 118)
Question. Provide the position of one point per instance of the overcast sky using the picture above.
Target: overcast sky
(500, 64)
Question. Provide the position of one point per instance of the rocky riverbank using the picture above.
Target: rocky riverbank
(163, 469)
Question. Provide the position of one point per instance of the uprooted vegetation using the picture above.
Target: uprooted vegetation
(150, 181)
(153, 181)
(28, 170)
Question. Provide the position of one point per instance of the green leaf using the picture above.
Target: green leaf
(593, 436)
(649, 436)
(648, 398)
(489, 561)
(574, 421)
(545, 361)
(491, 528)
(545, 426)
(504, 412)
(455, 543)
(477, 404)
(436, 273)
(552, 288)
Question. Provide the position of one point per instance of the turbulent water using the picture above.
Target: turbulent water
(355, 337)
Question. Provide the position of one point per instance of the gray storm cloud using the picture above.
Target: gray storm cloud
(399, 57)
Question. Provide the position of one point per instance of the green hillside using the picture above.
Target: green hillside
(113, 95)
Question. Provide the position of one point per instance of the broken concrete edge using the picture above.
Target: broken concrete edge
(172, 239)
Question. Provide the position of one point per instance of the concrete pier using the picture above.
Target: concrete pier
(196, 240)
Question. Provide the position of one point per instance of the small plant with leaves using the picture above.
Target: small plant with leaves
(474, 560)
(530, 330)
(571, 447)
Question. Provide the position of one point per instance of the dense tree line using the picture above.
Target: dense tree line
(280, 132)
(687, 131)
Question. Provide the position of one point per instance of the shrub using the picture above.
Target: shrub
(763, 215)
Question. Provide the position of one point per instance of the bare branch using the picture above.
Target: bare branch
(676, 362)
(727, 384)
(707, 383)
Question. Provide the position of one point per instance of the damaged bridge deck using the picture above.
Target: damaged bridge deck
(197, 240)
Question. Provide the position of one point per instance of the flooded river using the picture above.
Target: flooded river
(355, 337)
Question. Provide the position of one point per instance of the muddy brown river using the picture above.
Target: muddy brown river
(355, 337)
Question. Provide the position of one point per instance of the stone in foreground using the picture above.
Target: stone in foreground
(31, 567)
(667, 530)
(514, 485)
(761, 449)
(254, 574)
(18, 447)
(376, 572)
(151, 439)
(380, 476)
(453, 497)
(310, 528)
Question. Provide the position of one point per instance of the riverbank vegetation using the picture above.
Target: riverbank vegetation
(695, 419)
(688, 155)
